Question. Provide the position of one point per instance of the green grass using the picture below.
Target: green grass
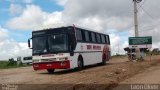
(7, 65)
(118, 56)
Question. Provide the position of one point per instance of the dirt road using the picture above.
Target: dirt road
(26, 75)
(150, 76)
(116, 71)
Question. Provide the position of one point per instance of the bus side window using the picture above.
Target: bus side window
(90, 37)
(78, 34)
(87, 36)
(98, 38)
(83, 35)
(103, 39)
(93, 37)
(107, 39)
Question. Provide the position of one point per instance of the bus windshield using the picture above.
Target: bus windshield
(57, 43)
(50, 44)
(39, 45)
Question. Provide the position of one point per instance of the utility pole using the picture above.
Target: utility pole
(136, 25)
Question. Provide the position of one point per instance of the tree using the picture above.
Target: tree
(156, 51)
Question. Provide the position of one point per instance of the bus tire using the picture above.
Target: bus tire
(104, 60)
(80, 63)
(51, 71)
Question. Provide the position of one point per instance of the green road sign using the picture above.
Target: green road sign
(140, 40)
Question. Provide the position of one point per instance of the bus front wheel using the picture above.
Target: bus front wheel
(51, 71)
(80, 63)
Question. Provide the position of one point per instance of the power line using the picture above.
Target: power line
(146, 12)
(142, 3)
(151, 27)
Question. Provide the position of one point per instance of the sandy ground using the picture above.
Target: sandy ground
(117, 71)
(150, 76)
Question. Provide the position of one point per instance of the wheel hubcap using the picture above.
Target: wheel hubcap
(79, 63)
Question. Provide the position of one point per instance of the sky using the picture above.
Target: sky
(18, 18)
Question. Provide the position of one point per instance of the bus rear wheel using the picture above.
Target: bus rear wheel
(51, 71)
(104, 60)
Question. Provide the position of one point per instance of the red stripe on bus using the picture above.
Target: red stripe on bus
(52, 65)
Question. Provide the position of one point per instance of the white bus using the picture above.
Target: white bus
(25, 60)
(67, 48)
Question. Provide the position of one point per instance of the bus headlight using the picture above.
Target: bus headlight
(36, 61)
(62, 59)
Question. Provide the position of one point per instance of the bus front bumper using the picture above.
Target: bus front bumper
(52, 65)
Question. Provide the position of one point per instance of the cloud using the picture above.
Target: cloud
(15, 9)
(114, 43)
(106, 15)
(12, 49)
(154, 32)
(117, 44)
(9, 48)
(110, 14)
(33, 17)
(3, 33)
(99, 15)
(52, 18)
(103, 8)
(61, 2)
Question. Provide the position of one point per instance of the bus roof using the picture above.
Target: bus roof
(85, 29)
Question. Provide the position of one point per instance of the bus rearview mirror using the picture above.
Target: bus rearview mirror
(71, 53)
(29, 44)
(71, 50)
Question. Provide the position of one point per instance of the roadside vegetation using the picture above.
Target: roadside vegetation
(10, 64)
(155, 51)
(119, 56)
